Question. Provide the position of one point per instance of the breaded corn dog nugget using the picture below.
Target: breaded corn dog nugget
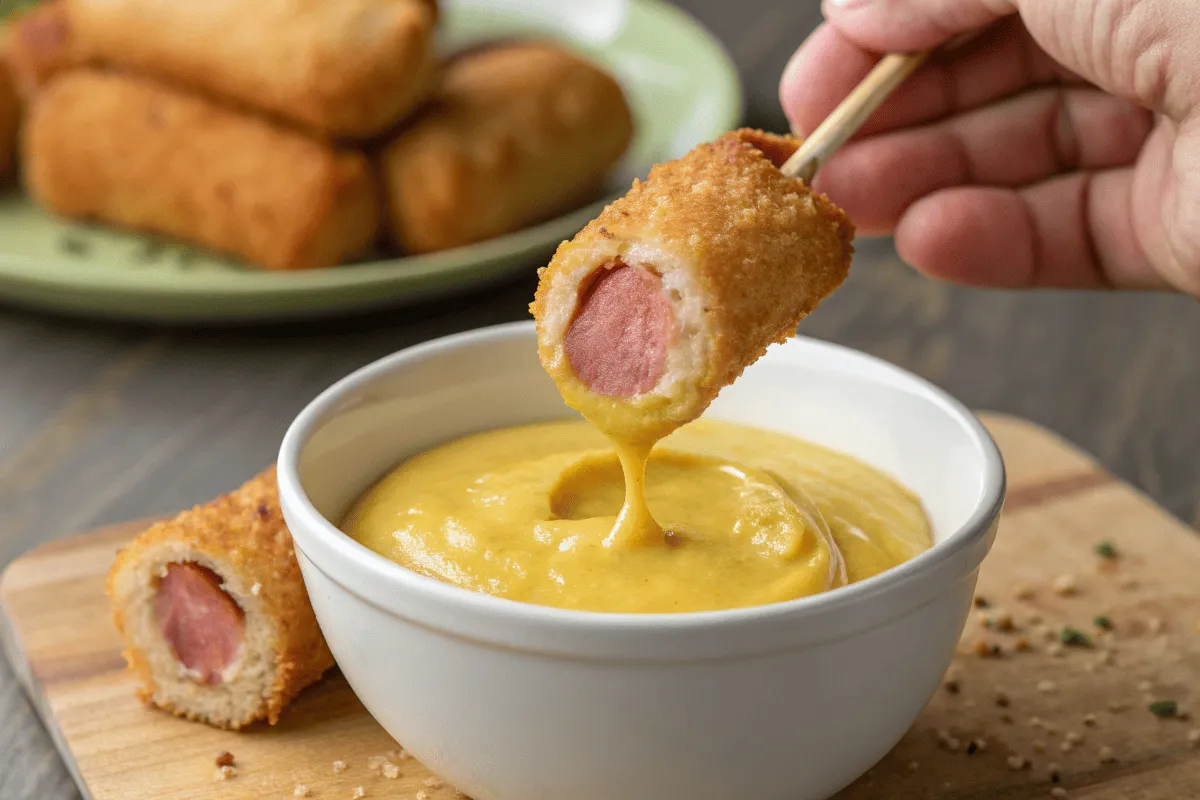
(342, 67)
(128, 151)
(516, 134)
(680, 285)
(10, 116)
(214, 614)
(38, 45)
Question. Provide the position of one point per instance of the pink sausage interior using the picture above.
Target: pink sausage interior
(203, 625)
(617, 342)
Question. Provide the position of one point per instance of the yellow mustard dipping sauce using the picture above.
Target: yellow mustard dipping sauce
(750, 516)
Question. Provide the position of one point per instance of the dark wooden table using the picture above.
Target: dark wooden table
(102, 423)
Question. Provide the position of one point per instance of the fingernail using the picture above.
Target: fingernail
(848, 3)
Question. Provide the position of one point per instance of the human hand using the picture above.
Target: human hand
(1060, 147)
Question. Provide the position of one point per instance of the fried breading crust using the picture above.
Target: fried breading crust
(37, 44)
(10, 116)
(244, 529)
(129, 151)
(762, 248)
(516, 133)
(345, 68)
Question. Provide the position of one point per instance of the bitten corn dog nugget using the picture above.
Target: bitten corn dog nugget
(680, 285)
(343, 67)
(38, 45)
(131, 152)
(213, 611)
(516, 134)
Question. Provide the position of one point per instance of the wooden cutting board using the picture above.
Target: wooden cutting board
(992, 733)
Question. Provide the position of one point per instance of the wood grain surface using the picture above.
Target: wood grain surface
(101, 423)
(962, 746)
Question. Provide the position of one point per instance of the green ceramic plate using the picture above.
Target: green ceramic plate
(683, 89)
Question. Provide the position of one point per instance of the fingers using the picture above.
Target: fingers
(1141, 51)
(1072, 231)
(1024, 139)
(901, 26)
(1001, 61)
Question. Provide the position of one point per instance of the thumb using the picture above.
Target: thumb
(1140, 51)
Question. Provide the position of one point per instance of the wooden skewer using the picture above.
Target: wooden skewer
(850, 115)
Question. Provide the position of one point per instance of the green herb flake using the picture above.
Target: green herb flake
(1106, 549)
(1103, 623)
(1165, 708)
(1074, 638)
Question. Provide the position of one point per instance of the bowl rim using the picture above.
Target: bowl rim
(483, 607)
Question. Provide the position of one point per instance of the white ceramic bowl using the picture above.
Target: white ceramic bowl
(519, 702)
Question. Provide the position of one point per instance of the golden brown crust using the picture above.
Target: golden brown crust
(346, 68)
(38, 44)
(10, 115)
(764, 247)
(516, 133)
(244, 528)
(158, 159)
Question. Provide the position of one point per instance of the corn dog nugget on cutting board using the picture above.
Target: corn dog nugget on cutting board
(166, 161)
(345, 68)
(1060, 507)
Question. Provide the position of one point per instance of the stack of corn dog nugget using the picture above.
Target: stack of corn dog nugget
(296, 135)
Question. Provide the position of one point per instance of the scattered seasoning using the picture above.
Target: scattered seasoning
(987, 650)
(301, 790)
(1036, 722)
(1103, 623)
(1145, 686)
(1002, 699)
(981, 601)
(1065, 585)
(1194, 736)
(1024, 592)
(1021, 645)
(972, 748)
(1116, 706)
(339, 766)
(953, 686)
(1055, 772)
(1074, 638)
(359, 792)
(434, 782)
(1067, 747)
(1164, 708)
(1107, 549)
(1046, 687)
(1058, 791)
(1073, 737)
(391, 771)
(420, 796)
(1107, 756)
(225, 773)
(1039, 746)
(1003, 622)
(225, 759)
(1089, 720)
(74, 246)
(1017, 762)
